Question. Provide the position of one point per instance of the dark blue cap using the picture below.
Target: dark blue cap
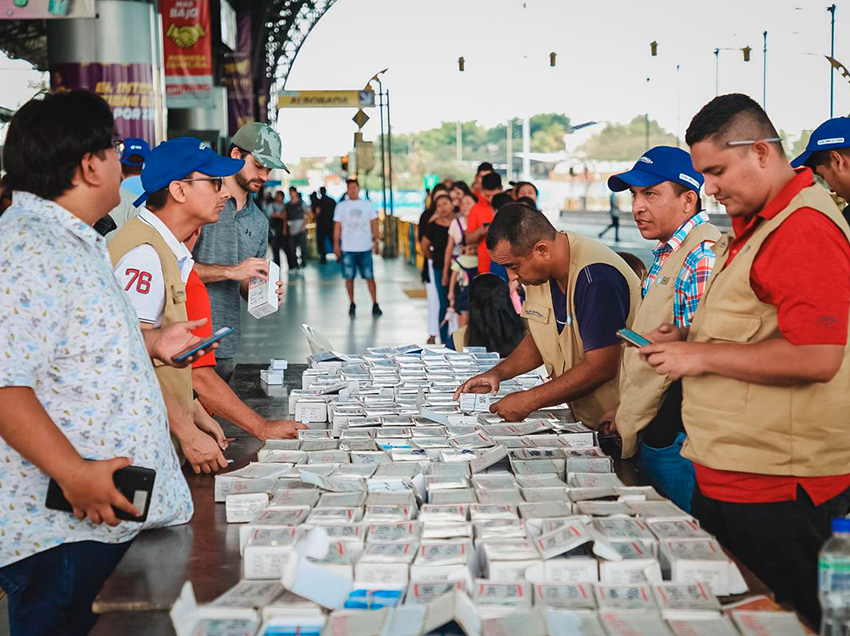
(177, 158)
(831, 134)
(134, 146)
(662, 163)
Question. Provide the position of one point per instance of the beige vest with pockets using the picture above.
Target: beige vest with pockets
(641, 388)
(560, 352)
(135, 233)
(768, 430)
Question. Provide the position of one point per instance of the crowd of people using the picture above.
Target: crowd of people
(115, 258)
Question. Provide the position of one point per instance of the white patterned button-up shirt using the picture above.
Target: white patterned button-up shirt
(69, 333)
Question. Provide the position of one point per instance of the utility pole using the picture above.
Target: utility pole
(831, 10)
(459, 139)
(716, 72)
(509, 146)
(764, 75)
(526, 148)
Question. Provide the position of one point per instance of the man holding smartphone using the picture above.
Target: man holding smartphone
(666, 208)
(80, 399)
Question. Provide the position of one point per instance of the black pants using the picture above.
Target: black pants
(778, 541)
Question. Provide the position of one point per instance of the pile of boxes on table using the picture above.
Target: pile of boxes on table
(406, 513)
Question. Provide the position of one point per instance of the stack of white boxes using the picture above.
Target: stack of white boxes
(405, 501)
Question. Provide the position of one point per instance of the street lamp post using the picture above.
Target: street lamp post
(764, 75)
(831, 10)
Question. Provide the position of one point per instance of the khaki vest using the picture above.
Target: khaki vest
(561, 351)
(641, 388)
(768, 430)
(135, 233)
(459, 338)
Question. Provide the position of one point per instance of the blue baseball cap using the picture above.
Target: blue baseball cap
(134, 146)
(174, 159)
(831, 134)
(662, 163)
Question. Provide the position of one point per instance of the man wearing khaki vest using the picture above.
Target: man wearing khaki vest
(765, 364)
(183, 186)
(666, 208)
(578, 294)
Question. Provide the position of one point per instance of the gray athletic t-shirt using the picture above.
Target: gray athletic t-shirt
(235, 237)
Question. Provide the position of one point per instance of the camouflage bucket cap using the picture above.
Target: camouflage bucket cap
(263, 142)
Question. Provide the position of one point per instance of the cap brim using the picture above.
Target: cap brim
(638, 178)
(140, 200)
(267, 161)
(801, 160)
(221, 167)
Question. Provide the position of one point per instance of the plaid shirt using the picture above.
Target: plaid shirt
(693, 277)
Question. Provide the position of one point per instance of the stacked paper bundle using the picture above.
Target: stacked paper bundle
(425, 510)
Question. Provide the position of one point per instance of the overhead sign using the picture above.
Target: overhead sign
(326, 99)
(45, 9)
(188, 53)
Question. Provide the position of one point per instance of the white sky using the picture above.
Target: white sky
(603, 62)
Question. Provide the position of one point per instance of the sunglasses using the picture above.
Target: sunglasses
(216, 181)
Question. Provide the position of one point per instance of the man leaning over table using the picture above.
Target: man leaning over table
(578, 294)
(79, 393)
(666, 208)
(764, 365)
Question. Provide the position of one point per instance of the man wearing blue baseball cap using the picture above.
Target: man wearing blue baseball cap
(136, 151)
(828, 154)
(666, 208)
(183, 183)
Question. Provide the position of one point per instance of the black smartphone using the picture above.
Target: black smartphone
(218, 335)
(134, 482)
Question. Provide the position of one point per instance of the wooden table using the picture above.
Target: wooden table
(137, 597)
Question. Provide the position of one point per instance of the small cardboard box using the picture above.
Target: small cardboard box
(262, 294)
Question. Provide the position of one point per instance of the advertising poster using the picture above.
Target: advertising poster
(188, 53)
(237, 77)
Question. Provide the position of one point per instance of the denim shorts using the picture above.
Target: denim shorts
(352, 262)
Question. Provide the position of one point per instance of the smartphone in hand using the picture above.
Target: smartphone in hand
(633, 338)
(204, 344)
(134, 482)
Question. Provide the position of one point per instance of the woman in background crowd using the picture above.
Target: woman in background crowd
(493, 321)
(435, 238)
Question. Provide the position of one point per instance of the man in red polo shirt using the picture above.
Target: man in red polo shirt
(480, 217)
(215, 394)
(765, 364)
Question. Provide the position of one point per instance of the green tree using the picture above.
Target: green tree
(624, 142)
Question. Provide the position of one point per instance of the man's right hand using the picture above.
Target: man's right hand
(338, 252)
(250, 268)
(484, 383)
(91, 491)
(281, 429)
(203, 453)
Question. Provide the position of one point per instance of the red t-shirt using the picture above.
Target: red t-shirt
(479, 214)
(802, 269)
(197, 307)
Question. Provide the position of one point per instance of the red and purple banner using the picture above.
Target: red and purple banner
(188, 53)
(236, 75)
(127, 88)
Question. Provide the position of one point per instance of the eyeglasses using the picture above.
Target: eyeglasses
(118, 147)
(217, 181)
(750, 142)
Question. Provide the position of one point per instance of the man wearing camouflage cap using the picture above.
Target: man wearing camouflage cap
(232, 251)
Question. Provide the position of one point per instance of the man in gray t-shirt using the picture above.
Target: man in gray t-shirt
(232, 251)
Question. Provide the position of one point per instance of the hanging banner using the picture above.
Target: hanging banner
(188, 53)
(237, 77)
(127, 88)
(46, 9)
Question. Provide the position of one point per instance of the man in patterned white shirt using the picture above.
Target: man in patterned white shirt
(80, 398)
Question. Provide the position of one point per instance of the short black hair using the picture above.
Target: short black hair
(727, 115)
(291, 188)
(352, 180)
(157, 200)
(521, 226)
(484, 165)
(491, 181)
(48, 138)
(323, 190)
(519, 184)
(242, 152)
(526, 201)
(679, 190)
(633, 261)
(821, 157)
(460, 185)
(500, 200)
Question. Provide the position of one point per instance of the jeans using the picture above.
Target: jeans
(669, 473)
(353, 262)
(778, 541)
(51, 592)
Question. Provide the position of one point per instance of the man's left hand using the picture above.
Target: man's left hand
(279, 291)
(169, 341)
(513, 407)
(281, 429)
(675, 359)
